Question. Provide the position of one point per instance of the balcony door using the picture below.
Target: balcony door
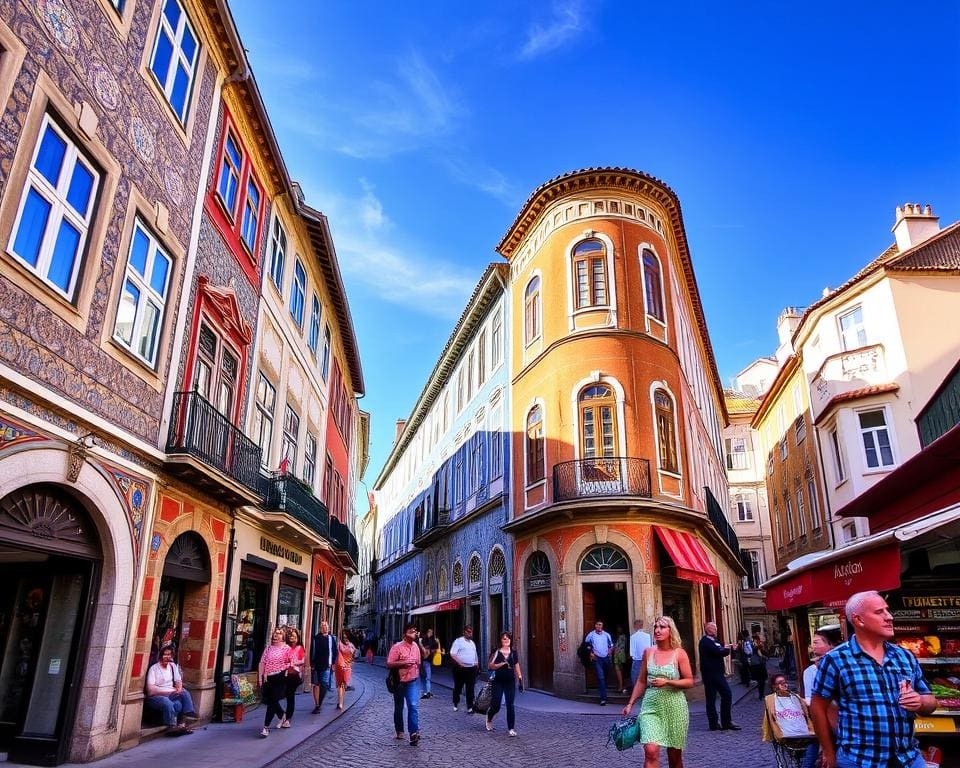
(214, 380)
(599, 472)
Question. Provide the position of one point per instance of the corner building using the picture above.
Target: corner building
(617, 412)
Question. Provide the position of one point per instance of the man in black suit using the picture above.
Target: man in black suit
(714, 677)
(323, 652)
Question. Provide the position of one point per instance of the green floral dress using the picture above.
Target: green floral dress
(664, 714)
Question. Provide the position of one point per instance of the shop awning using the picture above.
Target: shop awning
(870, 563)
(689, 556)
(447, 605)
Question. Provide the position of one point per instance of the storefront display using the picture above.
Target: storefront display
(250, 633)
(290, 602)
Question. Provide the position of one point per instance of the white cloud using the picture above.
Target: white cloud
(486, 178)
(565, 22)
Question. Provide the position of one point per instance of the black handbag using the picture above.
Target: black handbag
(393, 680)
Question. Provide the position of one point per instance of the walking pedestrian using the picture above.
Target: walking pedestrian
(714, 674)
(346, 651)
(600, 644)
(406, 657)
(787, 719)
(506, 680)
(758, 664)
(879, 690)
(294, 674)
(665, 673)
(323, 655)
(744, 648)
(272, 673)
(432, 646)
(821, 645)
(639, 642)
(465, 665)
(620, 657)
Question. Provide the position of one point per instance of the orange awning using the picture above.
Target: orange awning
(689, 556)
(447, 605)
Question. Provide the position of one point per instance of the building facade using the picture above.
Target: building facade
(616, 426)
(443, 494)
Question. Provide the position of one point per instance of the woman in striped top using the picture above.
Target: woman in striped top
(276, 660)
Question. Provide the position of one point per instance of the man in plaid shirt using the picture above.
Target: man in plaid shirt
(879, 690)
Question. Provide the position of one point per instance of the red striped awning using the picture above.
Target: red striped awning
(447, 605)
(689, 556)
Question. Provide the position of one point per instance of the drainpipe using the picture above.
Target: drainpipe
(222, 640)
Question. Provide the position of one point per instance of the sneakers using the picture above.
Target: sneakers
(414, 739)
(280, 724)
(456, 708)
(489, 726)
(511, 732)
(285, 723)
(264, 732)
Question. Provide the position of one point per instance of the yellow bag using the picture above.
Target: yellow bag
(437, 659)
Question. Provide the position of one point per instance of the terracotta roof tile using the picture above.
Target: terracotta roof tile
(940, 252)
(740, 402)
(857, 394)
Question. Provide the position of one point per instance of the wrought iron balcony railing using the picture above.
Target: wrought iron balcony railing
(430, 526)
(198, 429)
(286, 493)
(721, 524)
(608, 476)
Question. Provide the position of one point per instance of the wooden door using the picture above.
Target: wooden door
(589, 619)
(540, 640)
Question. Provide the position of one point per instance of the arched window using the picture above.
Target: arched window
(590, 274)
(417, 594)
(666, 432)
(535, 445)
(457, 576)
(604, 559)
(428, 586)
(442, 581)
(653, 286)
(497, 568)
(531, 311)
(475, 574)
(598, 422)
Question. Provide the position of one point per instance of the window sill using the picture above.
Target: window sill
(879, 471)
(670, 473)
(535, 484)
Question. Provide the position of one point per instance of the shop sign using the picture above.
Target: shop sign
(931, 601)
(278, 550)
(935, 725)
(538, 582)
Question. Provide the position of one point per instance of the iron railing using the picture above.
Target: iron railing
(287, 493)
(721, 524)
(607, 476)
(197, 428)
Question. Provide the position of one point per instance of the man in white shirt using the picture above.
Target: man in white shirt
(639, 642)
(166, 694)
(465, 661)
(601, 644)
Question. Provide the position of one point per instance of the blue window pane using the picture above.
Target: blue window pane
(233, 152)
(188, 44)
(33, 223)
(158, 280)
(65, 254)
(161, 58)
(139, 250)
(50, 155)
(178, 97)
(253, 194)
(81, 185)
(172, 11)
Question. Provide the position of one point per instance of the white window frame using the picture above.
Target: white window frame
(744, 508)
(310, 459)
(836, 452)
(176, 56)
(313, 336)
(325, 356)
(873, 432)
(814, 504)
(788, 510)
(289, 442)
(278, 254)
(742, 454)
(496, 340)
(298, 294)
(859, 329)
(264, 416)
(801, 520)
(756, 566)
(147, 294)
(533, 330)
(60, 209)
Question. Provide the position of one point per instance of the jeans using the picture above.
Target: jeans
(464, 677)
(171, 707)
(508, 691)
(426, 673)
(847, 762)
(409, 693)
(635, 671)
(324, 681)
(601, 665)
(712, 685)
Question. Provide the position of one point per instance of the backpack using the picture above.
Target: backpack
(583, 653)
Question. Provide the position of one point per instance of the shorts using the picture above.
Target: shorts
(321, 677)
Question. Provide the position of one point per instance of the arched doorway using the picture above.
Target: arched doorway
(49, 565)
(540, 633)
(604, 577)
(185, 582)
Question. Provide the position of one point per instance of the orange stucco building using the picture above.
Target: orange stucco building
(617, 412)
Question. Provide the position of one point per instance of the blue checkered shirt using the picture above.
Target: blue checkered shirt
(873, 730)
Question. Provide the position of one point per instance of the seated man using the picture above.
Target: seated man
(166, 694)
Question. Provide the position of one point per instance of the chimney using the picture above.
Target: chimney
(401, 423)
(914, 225)
(787, 323)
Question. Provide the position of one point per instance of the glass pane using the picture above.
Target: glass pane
(872, 419)
(148, 332)
(33, 223)
(50, 156)
(188, 44)
(232, 152)
(178, 96)
(870, 450)
(138, 252)
(65, 254)
(81, 185)
(161, 57)
(172, 12)
(158, 278)
(883, 440)
(127, 312)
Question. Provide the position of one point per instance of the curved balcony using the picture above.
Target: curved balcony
(599, 477)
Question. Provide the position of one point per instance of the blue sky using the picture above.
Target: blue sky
(420, 129)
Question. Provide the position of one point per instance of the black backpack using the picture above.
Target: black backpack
(583, 653)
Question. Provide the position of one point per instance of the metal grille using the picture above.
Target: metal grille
(457, 576)
(474, 573)
(604, 559)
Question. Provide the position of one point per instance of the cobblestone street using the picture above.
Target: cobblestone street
(365, 735)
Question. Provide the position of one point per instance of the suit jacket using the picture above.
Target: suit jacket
(711, 657)
(323, 651)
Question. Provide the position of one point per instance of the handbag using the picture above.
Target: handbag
(437, 659)
(482, 700)
(393, 680)
(624, 733)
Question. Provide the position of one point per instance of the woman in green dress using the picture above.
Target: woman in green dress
(664, 715)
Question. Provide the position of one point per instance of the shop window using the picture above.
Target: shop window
(174, 58)
(144, 296)
(56, 210)
(535, 446)
(604, 559)
(253, 600)
(290, 602)
(590, 274)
